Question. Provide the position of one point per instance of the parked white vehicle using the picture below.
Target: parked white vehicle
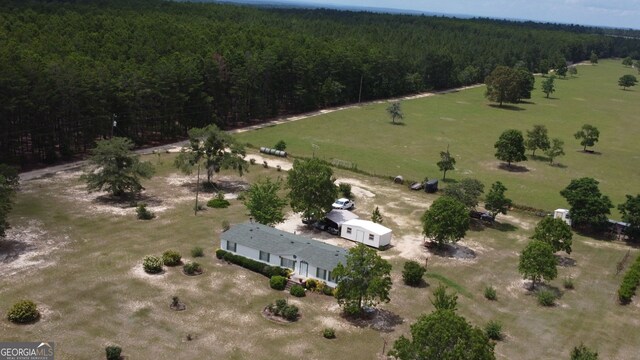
(343, 204)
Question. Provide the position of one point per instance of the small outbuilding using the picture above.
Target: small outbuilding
(431, 186)
(562, 214)
(366, 232)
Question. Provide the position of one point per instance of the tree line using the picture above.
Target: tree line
(149, 70)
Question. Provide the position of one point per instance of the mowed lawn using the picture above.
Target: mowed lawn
(470, 125)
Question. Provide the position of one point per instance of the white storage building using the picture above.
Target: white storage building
(366, 232)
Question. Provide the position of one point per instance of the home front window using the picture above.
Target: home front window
(231, 246)
(265, 256)
(287, 263)
(321, 273)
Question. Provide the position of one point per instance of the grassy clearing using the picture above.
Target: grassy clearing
(94, 292)
(470, 125)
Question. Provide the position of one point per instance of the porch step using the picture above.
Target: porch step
(291, 282)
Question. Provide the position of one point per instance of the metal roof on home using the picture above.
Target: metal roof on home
(340, 216)
(277, 242)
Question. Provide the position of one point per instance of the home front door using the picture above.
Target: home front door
(304, 269)
(360, 236)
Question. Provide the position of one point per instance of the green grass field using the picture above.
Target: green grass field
(468, 123)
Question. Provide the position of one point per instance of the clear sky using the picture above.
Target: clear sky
(614, 13)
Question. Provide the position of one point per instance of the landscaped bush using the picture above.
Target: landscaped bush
(192, 268)
(297, 291)
(152, 264)
(197, 252)
(252, 161)
(329, 333)
(311, 284)
(278, 282)
(144, 213)
(171, 258)
(282, 309)
(629, 283)
(490, 293)
(546, 298)
(218, 202)
(113, 352)
(22, 312)
(568, 283)
(493, 329)
(327, 290)
(251, 264)
(412, 273)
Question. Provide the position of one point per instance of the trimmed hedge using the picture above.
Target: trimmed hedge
(297, 291)
(253, 265)
(278, 282)
(629, 283)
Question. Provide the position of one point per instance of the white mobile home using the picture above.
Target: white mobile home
(366, 232)
(307, 258)
(562, 214)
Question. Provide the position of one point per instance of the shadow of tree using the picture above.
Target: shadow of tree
(455, 251)
(504, 227)
(507, 107)
(565, 261)
(377, 319)
(513, 168)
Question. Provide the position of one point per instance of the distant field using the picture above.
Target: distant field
(468, 123)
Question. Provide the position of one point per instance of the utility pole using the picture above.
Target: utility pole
(195, 208)
(360, 92)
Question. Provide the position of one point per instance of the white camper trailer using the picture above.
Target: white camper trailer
(562, 214)
(366, 232)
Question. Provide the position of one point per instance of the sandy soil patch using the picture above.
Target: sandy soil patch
(409, 247)
(358, 188)
(516, 221)
(27, 247)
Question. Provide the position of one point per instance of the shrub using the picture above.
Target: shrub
(265, 164)
(144, 213)
(327, 290)
(171, 258)
(568, 283)
(297, 291)
(493, 329)
(192, 268)
(490, 293)
(253, 265)
(220, 253)
(311, 284)
(629, 283)
(241, 196)
(252, 161)
(218, 203)
(197, 252)
(290, 312)
(152, 264)
(345, 190)
(278, 168)
(113, 352)
(546, 298)
(278, 282)
(412, 273)
(329, 333)
(24, 311)
(280, 145)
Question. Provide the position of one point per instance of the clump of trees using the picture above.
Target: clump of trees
(509, 85)
(630, 211)
(467, 191)
(589, 208)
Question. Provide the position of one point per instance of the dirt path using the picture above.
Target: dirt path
(173, 147)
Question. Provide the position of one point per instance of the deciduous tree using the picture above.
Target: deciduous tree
(554, 232)
(630, 211)
(264, 203)
(364, 281)
(556, 149)
(443, 335)
(593, 58)
(548, 85)
(496, 202)
(503, 85)
(573, 71)
(447, 220)
(113, 167)
(446, 163)
(467, 191)
(510, 147)
(588, 206)
(537, 138)
(537, 262)
(311, 190)
(627, 81)
(214, 148)
(588, 136)
(395, 111)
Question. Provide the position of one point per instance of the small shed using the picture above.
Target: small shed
(339, 217)
(562, 214)
(366, 232)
